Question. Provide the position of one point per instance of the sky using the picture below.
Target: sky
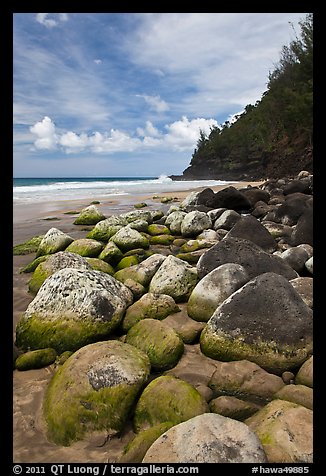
(127, 94)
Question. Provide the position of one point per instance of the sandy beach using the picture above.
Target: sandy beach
(29, 436)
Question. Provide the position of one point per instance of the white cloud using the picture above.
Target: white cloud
(155, 102)
(45, 133)
(181, 135)
(51, 22)
(98, 61)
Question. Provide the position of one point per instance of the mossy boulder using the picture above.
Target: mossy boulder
(86, 247)
(149, 306)
(52, 242)
(139, 225)
(135, 451)
(167, 399)
(174, 220)
(100, 265)
(265, 321)
(143, 272)
(89, 216)
(36, 359)
(94, 390)
(53, 263)
(140, 205)
(159, 341)
(111, 253)
(73, 308)
(126, 262)
(127, 239)
(30, 267)
(213, 289)
(164, 240)
(137, 215)
(191, 257)
(29, 246)
(175, 278)
(104, 229)
(61, 359)
(285, 430)
(155, 229)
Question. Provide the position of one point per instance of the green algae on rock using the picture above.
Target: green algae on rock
(100, 265)
(159, 341)
(168, 399)
(86, 247)
(36, 359)
(73, 308)
(94, 390)
(29, 246)
(89, 216)
(52, 242)
(126, 262)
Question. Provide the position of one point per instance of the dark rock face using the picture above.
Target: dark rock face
(303, 231)
(253, 258)
(292, 208)
(232, 199)
(250, 228)
(255, 194)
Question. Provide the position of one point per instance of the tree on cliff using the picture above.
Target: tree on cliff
(274, 136)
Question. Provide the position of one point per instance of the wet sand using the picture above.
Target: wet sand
(29, 434)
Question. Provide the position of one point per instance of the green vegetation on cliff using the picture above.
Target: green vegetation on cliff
(272, 138)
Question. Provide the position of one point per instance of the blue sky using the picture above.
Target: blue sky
(119, 94)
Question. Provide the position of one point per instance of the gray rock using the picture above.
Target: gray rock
(265, 321)
(175, 278)
(249, 228)
(137, 215)
(207, 438)
(227, 220)
(214, 288)
(208, 235)
(300, 394)
(143, 272)
(277, 230)
(174, 220)
(305, 373)
(304, 287)
(94, 391)
(104, 229)
(127, 239)
(72, 308)
(245, 380)
(216, 213)
(244, 252)
(194, 223)
(89, 216)
(52, 242)
(204, 197)
(285, 430)
(296, 257)
(291, 210)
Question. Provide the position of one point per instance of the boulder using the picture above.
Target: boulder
(261, 209)
(245, 380)
(100, 265)
(285, 430)
(249, 228)
(303, 231)
(305, 373)
(277, 230)
(204, 197)
(135, 451)
(300, 394)
(207, 438)
(255, 194)
(174, 220)
(302, 186)
(164, 240)
(188, 329)
(309, 265)
(304, 287)
(85, 247)
(53, 263)
(289, 212)
(226, 220)
(175, 278)
(167, 399)
(254, 259)
(214, 288)
(52, 242)
(137, 215)
(89, 216)
(35, 359)
(139, 225)
(72, 308)
(232, 199)
(104, 229)
(127, 239)
(296, 257)
(126, 262)
(233, 407)
(155, 229)
(194, 223)
(149, 306)
(265, 321)
(94, 390)
(191, 257)
(143, 272)
(111, 253)
(159, 341)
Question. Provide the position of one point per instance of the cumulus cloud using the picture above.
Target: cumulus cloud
(98, 61)
(55, 19)
(45, 133)
(155, 102)
(180, 135)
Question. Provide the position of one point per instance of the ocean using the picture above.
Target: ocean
(36, 190)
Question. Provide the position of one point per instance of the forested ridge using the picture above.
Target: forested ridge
(273, 137)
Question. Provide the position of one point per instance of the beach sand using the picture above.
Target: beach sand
(29, 434)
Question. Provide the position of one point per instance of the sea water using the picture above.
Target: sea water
(36, 190)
